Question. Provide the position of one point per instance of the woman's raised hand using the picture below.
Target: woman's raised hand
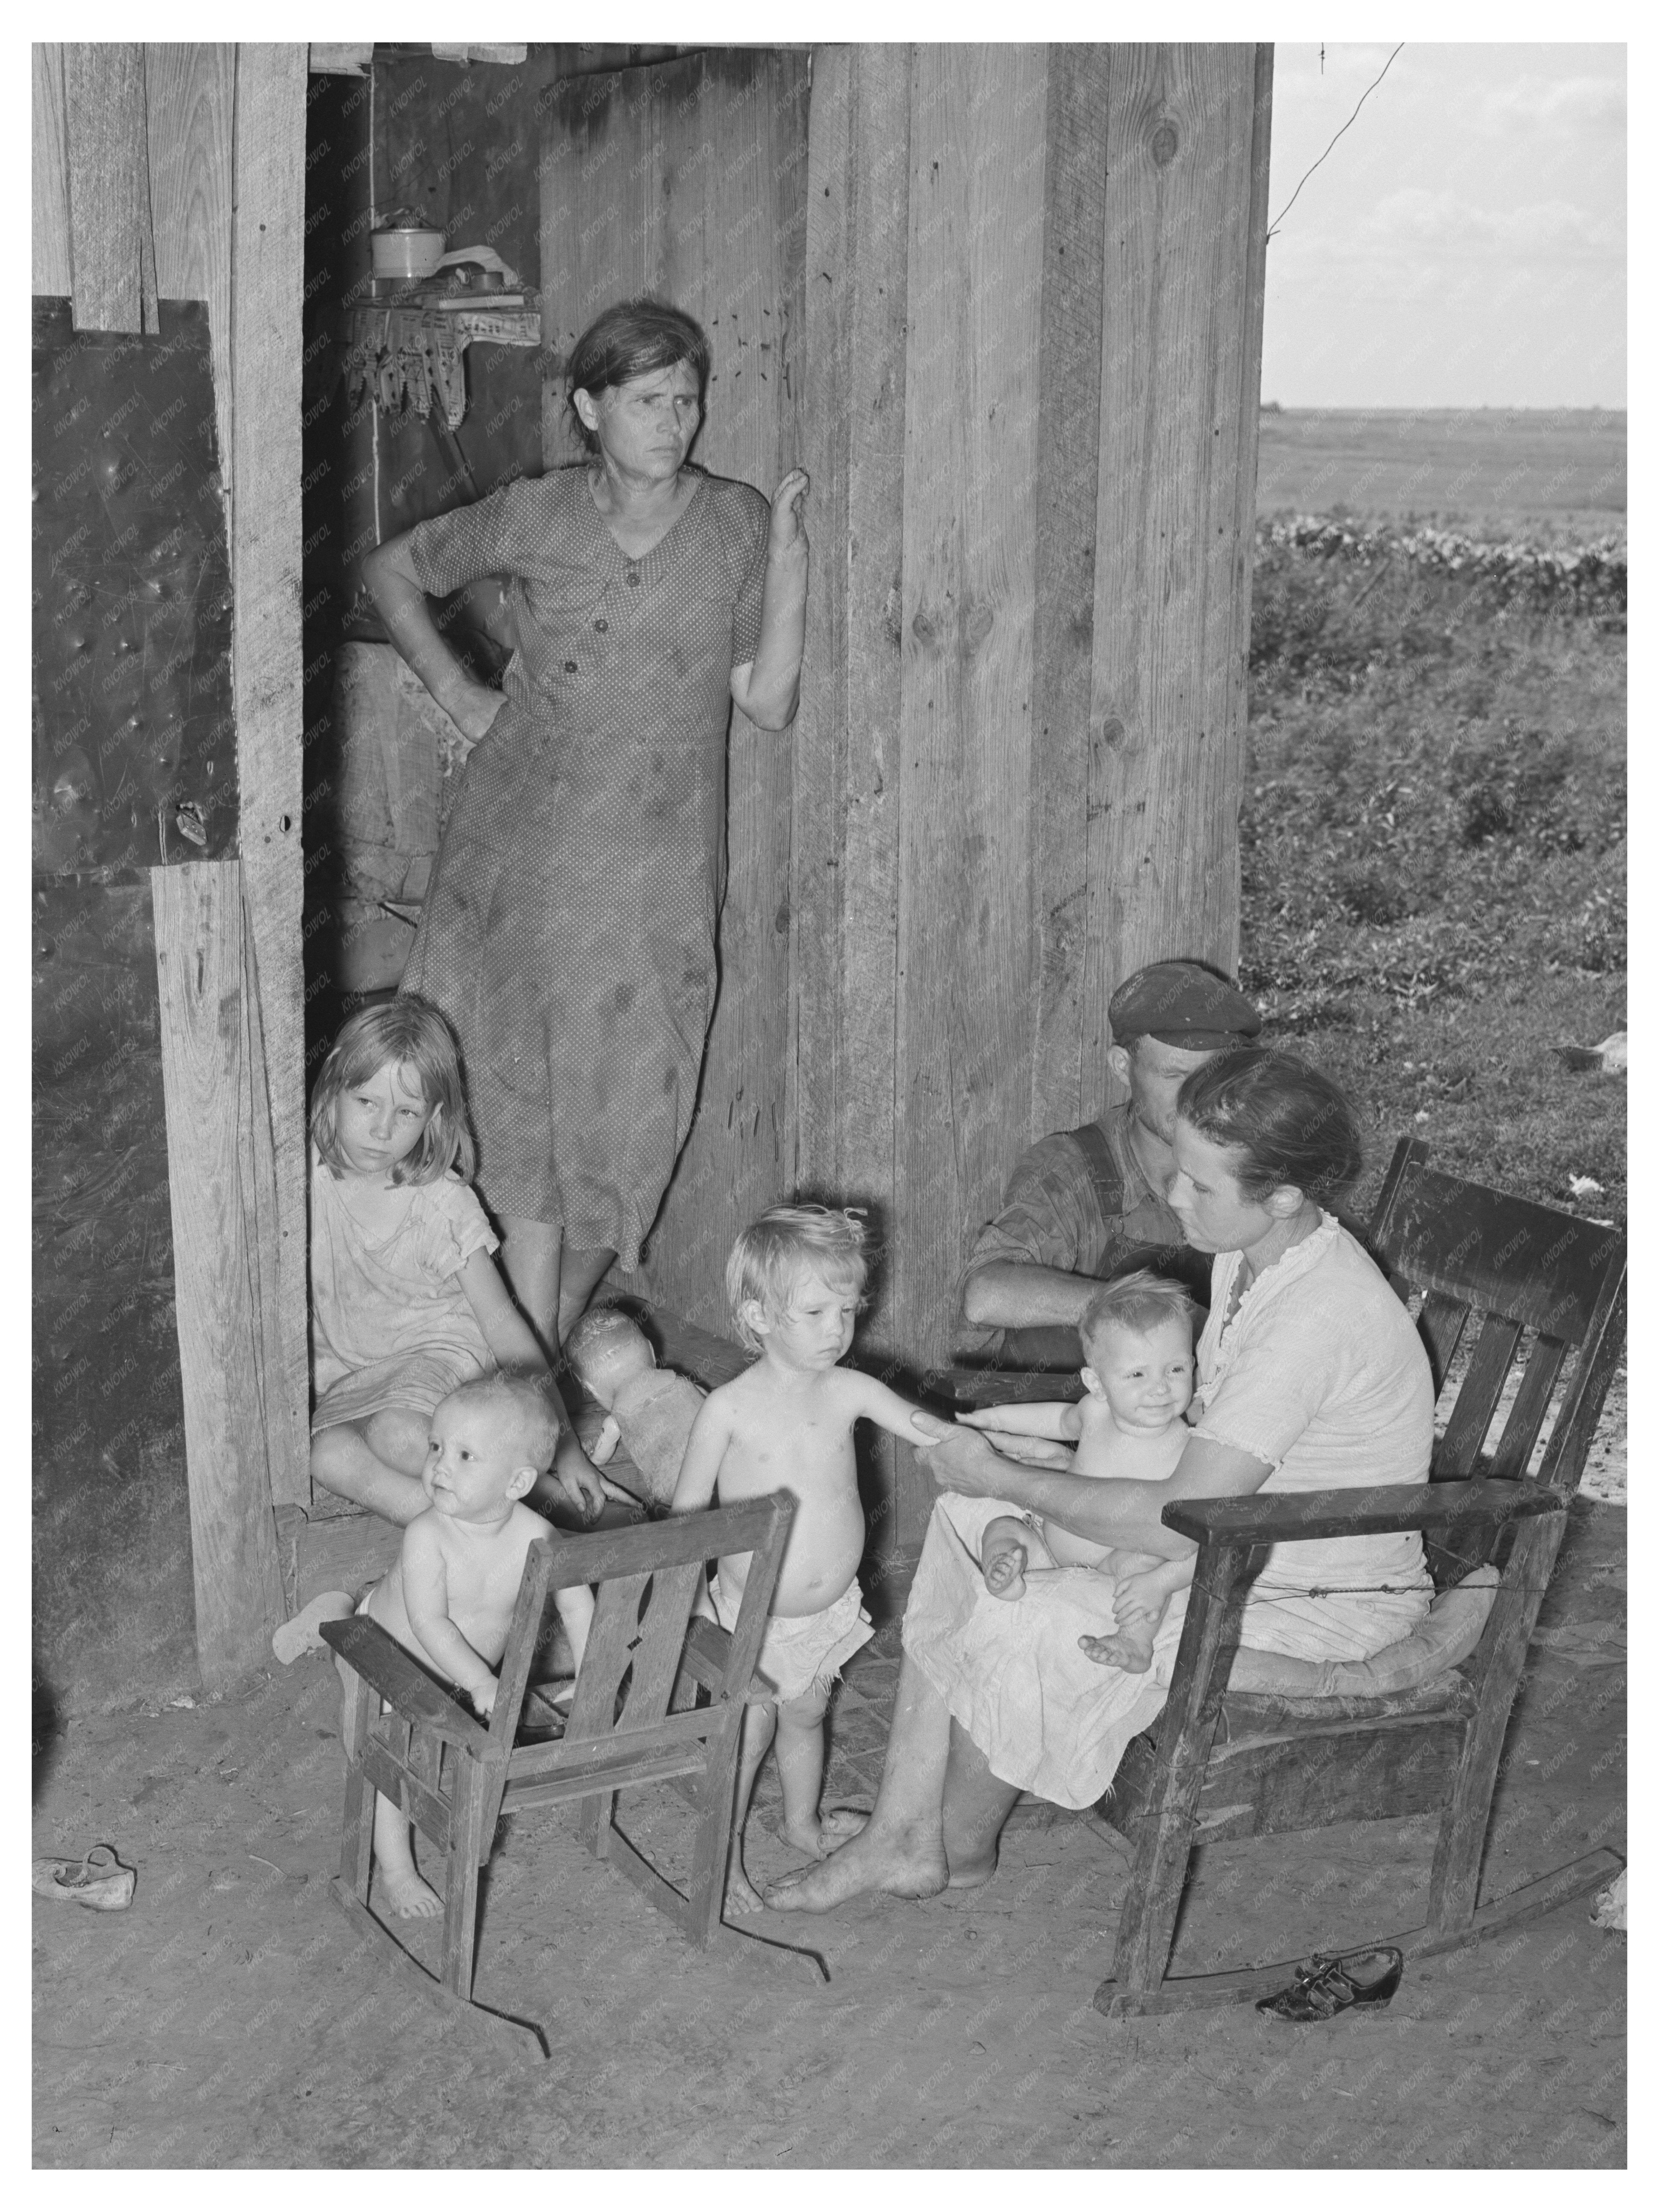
(788, 517)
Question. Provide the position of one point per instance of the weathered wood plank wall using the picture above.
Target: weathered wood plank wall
(689, 179)
(1018, 763)
(188, 163)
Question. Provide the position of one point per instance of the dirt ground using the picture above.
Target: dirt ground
(232, 2017)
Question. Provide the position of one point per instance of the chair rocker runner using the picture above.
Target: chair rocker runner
(1238, 1751)
(409, 1739)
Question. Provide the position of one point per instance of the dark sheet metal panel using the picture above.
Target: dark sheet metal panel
(135, 741)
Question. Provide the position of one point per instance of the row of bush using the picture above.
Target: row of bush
(1435, 800)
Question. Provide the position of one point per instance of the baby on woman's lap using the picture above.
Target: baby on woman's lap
(1137, 1335)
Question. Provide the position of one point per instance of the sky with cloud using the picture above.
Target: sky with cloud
(1464, 246)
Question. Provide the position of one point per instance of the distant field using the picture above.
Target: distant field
(1562, 470)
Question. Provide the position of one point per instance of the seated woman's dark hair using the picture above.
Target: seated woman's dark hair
(1290, 1121)
(632, 338)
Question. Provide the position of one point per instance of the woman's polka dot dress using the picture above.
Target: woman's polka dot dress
(569, 933)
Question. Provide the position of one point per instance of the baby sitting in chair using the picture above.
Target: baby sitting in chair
(449, 1598)
(1137, 1335)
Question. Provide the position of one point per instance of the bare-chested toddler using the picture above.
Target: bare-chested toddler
(1137, 1335)
(794, 1284)
(449, 1598)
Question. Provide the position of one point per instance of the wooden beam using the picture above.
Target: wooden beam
(844, 894)
(1186, 137)
(267, 262)
(1068, 1070)
(969, 588)
(843, 898)
(49, 146)
(190, 101)
(111, 253)
(211, 1109)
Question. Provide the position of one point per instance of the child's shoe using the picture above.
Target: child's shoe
(98, 1881)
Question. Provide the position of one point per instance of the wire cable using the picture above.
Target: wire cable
(1348, 126)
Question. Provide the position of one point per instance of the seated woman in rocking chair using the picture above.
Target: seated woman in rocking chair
(1310, 1376)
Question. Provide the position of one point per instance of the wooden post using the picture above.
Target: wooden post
(1186, 131)
(208, 1068)
(1068, 496)
(49, 147)
(112, 251)
(191, 103)
(843, 894)
(268, 260)
(962, 1086)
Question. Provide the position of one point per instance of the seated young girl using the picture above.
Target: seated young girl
(406, 1301)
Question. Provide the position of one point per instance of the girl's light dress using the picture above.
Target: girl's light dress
(391, 1324)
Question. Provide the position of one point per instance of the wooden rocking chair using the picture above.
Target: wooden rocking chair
(1222, 1762)
(452, 1775)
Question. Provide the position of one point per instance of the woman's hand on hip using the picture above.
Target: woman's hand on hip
(473, 709)
(789, 533)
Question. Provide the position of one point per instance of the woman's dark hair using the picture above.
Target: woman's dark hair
(1290, 1121)
(633, 337)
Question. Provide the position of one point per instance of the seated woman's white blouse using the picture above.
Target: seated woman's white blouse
(1321, 1373)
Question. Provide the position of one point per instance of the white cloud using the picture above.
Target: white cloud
(1443, 224)
(1567, 104)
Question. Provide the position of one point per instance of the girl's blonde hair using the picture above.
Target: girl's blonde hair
(774, 1253)
(404, 1031)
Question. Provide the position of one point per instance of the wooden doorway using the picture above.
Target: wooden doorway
(688, 180)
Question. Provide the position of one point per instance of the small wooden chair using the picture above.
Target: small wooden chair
(1220, 1764)
(411, 1739)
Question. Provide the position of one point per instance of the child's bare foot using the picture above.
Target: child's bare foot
(300, 1634)
(1003, 1559)
(1131, 1654)
(818, 1838)
(839, 1827)
(409, 1897)
(742, 1897)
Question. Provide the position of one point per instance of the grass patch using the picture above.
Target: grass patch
(1433, 839)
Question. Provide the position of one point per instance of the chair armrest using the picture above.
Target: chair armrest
(974, 1386)
(1307, 1516)
(403, 1681)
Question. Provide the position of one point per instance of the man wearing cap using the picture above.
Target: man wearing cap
(1089, 1203)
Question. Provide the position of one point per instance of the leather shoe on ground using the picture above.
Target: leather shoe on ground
(1332, 1981)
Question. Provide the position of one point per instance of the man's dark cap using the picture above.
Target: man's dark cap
(1181, 1004)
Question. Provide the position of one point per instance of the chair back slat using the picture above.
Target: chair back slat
(611, 1641)
(657, 1658)
(760, 1580)
(1502, 1255)
(1441, 1324)
(520, 1647)
(1458, 1450)
(1528, 1269)
(1526, 1415)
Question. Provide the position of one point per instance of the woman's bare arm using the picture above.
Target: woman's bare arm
(1124, 1515)
(389, 574)
(768, 688)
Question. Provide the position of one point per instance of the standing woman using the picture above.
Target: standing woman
(569, 933)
